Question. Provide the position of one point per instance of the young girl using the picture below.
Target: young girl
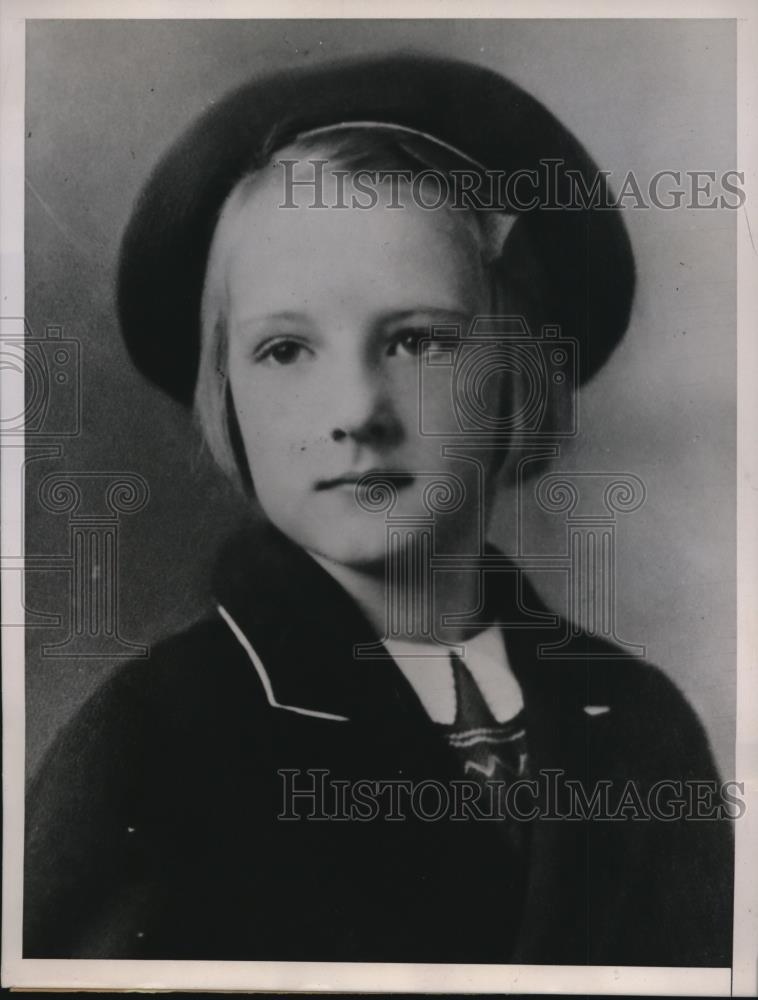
(362, 753)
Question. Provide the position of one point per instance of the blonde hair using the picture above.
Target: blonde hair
(351, 149)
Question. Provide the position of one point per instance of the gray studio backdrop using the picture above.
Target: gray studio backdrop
(103, 100)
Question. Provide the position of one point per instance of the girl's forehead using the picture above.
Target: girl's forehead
(279, 251)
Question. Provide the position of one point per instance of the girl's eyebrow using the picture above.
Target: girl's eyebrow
(424, 314)
(296, 316)
(279, 314)
(286, 315)
(436, 312)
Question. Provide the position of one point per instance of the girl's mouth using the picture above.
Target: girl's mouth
(367, 478)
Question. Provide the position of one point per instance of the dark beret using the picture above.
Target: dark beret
(585, 251)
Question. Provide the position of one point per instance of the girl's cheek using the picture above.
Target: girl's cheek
(434, 410)
(275, 431)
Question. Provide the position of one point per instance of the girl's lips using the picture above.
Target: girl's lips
(397, 478)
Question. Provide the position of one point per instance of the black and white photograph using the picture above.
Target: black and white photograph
(377, 549)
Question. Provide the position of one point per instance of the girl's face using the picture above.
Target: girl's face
(326, 311)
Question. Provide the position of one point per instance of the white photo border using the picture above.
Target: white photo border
(742, 978)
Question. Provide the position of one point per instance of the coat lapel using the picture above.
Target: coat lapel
(304, 627)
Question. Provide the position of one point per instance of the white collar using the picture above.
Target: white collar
(428, 669)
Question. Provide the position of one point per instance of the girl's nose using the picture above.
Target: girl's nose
(364, 410)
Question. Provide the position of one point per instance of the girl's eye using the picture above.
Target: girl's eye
(282, 352)
(409, 342)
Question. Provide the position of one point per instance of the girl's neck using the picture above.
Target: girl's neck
(415, 609)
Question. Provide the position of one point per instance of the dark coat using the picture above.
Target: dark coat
(152, 827)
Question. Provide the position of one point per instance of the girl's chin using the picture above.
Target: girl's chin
(365, 553)
(350, 536)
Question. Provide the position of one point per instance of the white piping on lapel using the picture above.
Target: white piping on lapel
(264, 677)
